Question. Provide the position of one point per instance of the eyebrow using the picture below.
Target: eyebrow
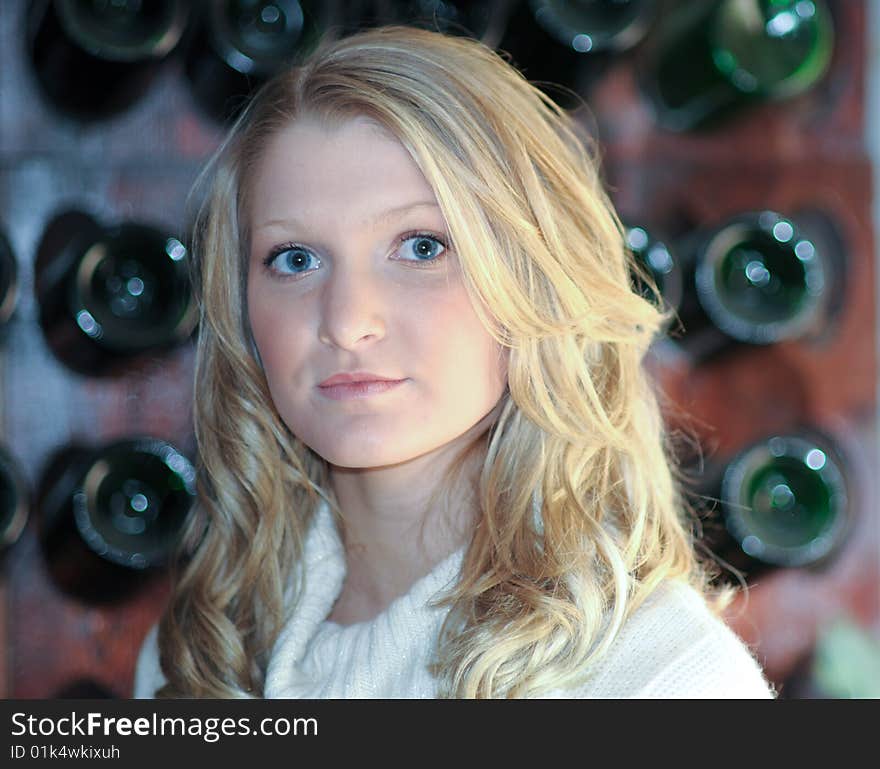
(378, 219)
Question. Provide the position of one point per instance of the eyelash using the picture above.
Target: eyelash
(418, 263)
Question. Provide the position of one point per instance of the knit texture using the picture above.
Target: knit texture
(671, 647)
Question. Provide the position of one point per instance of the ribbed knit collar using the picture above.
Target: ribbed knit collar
(385, 656)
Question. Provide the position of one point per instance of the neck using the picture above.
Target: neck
(397, 527)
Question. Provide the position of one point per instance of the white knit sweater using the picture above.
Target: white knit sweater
(672, 646)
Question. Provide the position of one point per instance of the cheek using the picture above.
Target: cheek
(460, 351)
(278, 334)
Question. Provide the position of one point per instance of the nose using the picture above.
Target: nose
(353, 310)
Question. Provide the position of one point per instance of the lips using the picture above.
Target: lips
(355, 377)
(344, 391)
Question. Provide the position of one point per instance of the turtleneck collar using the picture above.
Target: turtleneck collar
(385, 656)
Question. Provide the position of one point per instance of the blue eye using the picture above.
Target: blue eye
(425, 246)
(289, 257)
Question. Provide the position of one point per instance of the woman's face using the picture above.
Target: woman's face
(349, 271)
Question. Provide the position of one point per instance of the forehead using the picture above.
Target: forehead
(310, 164)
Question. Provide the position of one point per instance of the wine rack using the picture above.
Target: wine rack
(805, 158)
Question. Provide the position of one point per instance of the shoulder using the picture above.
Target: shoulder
(673, 646)
(148, 675)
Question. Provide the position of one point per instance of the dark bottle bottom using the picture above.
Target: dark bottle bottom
(57, 255)
(74, 568)
(732, 561)
(83, 86)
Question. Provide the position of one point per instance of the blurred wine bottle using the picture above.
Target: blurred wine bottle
(239, 44)
(109, 294)
(95, 58)
(571, 42)
(714, 58)
(756, 279)
(110, 517)
(14, 500)
(781, 502)
(8, 285)
(657, 276)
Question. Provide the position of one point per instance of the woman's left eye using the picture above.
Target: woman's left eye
(422, 247)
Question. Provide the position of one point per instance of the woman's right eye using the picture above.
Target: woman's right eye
(290, 260)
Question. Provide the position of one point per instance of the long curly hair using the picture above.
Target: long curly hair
(580, 436)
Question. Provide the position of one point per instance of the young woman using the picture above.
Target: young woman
(430, 460)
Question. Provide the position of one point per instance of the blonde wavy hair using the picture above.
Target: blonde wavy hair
(579, 436)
